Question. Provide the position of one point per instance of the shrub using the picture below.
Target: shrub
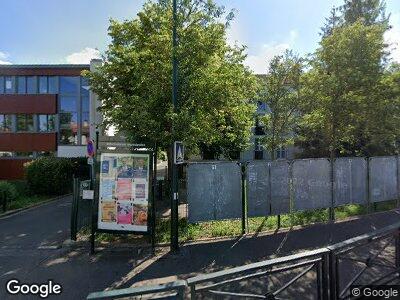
(8, 190)
(50, 175)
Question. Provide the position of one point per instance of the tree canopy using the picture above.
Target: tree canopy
(280, 91)
(215, 88)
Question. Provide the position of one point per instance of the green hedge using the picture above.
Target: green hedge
(8, 191)
(51, 175)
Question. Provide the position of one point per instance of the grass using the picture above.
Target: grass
(25, 198)
(231, 228)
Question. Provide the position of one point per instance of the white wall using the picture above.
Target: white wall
(71, 151)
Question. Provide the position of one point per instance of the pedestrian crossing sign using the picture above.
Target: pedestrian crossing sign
(179, 153)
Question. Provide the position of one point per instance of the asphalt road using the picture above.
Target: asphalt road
(32, 250)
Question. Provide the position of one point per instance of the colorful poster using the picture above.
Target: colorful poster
(108, 166)
(108, 211)
(141, 191)
(105, 166)
(124, 189)
(140, 167)
(124, 215)
(107, 188)
(125, 167)
(139, 215)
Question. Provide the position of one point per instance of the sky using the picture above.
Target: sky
(74, 31)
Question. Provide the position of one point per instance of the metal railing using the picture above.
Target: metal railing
(172, 290)
(325, 273)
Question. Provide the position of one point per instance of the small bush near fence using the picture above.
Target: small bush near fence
(7, 191)
(50, 175)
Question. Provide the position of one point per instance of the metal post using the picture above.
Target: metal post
(397, 181)
(153, 207)
(174, 183)
(368, 188)
(244, 206)
(332, 275)
(332, 208)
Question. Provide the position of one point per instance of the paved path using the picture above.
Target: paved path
(25, 238)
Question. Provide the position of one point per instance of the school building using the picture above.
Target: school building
(44, 110)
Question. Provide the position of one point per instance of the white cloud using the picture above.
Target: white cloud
(83, 57)
(4, 59)
(392, 37)
(259, 62)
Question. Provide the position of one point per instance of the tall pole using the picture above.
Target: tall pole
(174, 183)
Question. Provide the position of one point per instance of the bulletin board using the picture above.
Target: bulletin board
(124, 192)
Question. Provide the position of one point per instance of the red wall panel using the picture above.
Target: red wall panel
(28, 142)
(28, 104)
(11, 169)
(42, 71)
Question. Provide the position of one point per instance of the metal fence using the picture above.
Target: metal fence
(81, 208)
(325, 273)
(215, 189)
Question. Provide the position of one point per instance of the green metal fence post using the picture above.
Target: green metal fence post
(74, 208)
(332, 208)
(244, 202)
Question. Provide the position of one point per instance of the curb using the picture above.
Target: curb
(15, 211)
(110, 246)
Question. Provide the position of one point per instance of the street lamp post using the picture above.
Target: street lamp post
(174, 183)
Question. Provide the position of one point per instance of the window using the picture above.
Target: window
(25, 123)
(45, 153)
(85, 87)
(43, 85)
(5, 154)
(1, 85)
(69, 85)
(24, 154)
(9, 85)
(21, 85)
(5, 123)
(31, 84)
(281, 153)
(85, 104)
(46, 123)
(68, 104)
(68, 137)
(53, 85)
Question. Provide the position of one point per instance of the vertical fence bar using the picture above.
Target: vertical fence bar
(291, 192)
(368, 187)
(397, 181)
(244, 206)
(332, 275)
(74, 209)
(332, 208)
(318, 267)
(325, 276)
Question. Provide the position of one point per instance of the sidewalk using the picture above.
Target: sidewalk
(117, 267)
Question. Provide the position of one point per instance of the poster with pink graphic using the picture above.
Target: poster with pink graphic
(124, 189)
(124, 213)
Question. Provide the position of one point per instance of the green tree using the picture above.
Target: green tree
(369, 12)
(280, 92)
(341, 92)
(135, 84)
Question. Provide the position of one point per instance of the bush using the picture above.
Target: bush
(8, 190)
(50, 175)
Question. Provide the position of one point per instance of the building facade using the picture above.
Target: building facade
(44, 110)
